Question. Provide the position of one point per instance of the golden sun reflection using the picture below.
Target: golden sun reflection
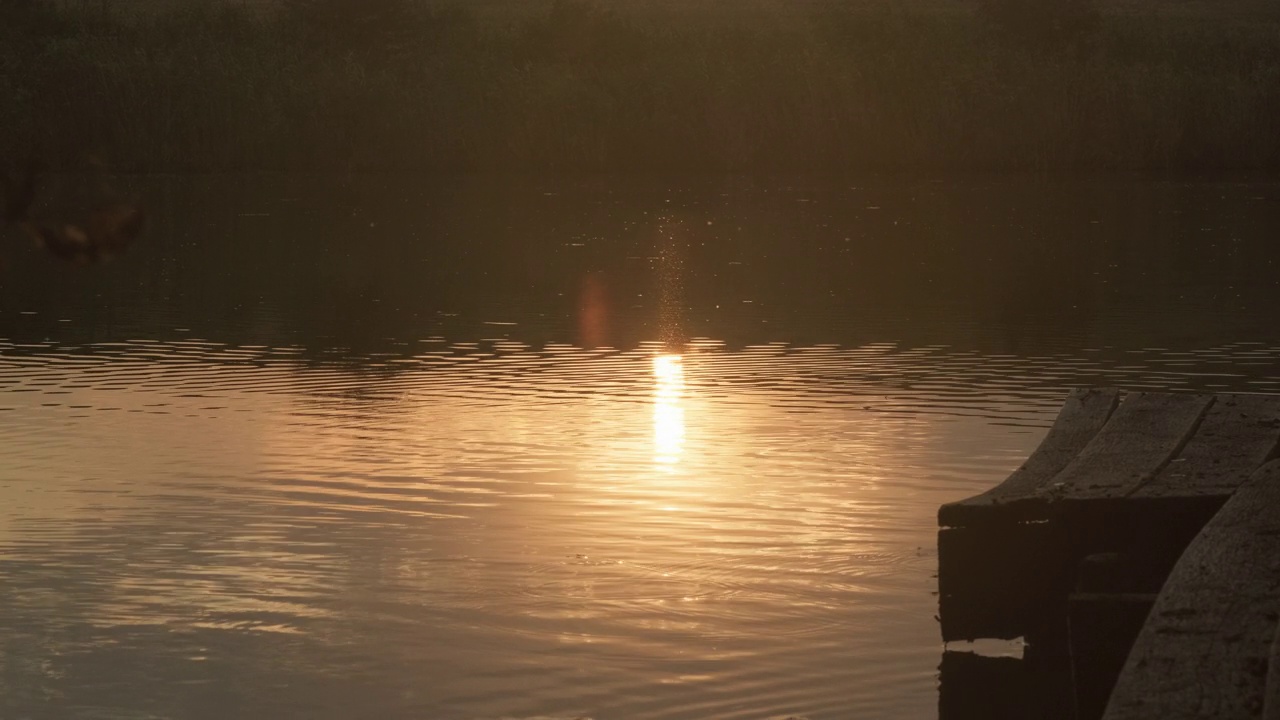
(668, 413)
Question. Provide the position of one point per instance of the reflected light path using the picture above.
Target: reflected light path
(493, 530)
(668, 412)
(364, 474)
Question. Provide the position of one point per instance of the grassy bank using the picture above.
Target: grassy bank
(574, 86)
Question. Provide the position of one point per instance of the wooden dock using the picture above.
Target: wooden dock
(1140, 543)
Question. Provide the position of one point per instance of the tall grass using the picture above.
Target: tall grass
(577, 87)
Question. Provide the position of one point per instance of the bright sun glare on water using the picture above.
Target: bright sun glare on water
(668, 413)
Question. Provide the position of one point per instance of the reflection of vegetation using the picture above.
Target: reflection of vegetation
(106, 229)
(571, 85)
(1034, 22)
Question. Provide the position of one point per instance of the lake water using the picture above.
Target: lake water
(380, 447)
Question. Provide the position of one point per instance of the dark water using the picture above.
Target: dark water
(364, 447)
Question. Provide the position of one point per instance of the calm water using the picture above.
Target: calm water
(378, 448)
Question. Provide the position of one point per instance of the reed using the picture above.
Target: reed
(572, 86)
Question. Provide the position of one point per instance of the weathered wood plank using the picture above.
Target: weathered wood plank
(1142, 436)
(1083, 414)
(1002, 688)
(1204, 650)
(1111, 573)
(1237, 435)
(1155, 523)
(1103, 627)
(1000, 581)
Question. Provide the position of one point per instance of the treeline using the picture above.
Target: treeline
(575, 86)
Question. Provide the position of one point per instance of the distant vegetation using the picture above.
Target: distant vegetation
(577, 86)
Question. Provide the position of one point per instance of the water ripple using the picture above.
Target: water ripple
(530, 530)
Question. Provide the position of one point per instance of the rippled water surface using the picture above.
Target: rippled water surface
(373, 447)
